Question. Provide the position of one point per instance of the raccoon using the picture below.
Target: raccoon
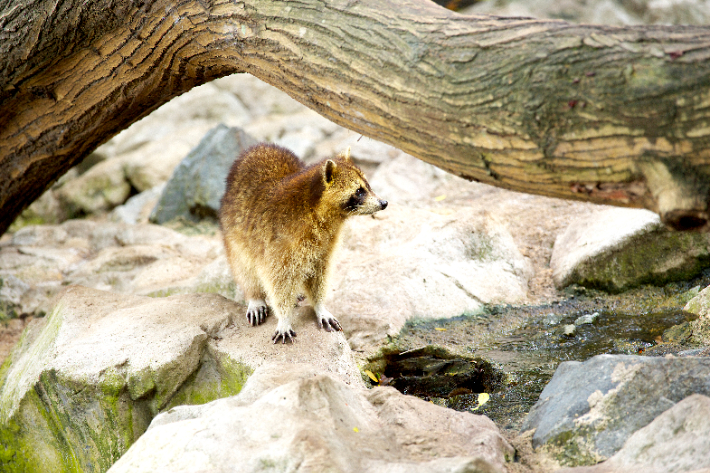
(281, 221)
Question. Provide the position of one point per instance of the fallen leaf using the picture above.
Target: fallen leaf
(356, 430)
(440, 329)
(439, 198)
(482, 399)
(372, 376)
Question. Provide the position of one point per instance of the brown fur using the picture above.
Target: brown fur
(281, 222)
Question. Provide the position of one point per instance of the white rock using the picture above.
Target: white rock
(410, 263)
(292, 417)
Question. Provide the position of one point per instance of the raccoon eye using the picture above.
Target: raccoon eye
(360, 192)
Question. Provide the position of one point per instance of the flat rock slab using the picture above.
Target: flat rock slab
(296, 418)
(84, 382)
(677, 441)
(616, 249)
(588, 410)
(409, 263)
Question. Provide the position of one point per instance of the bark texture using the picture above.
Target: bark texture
(606, 114)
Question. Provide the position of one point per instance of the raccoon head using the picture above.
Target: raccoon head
(347, 189)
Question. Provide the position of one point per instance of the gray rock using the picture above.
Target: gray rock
(198, 182)
(587, 319)
(137, 209)
(569, 330)
(589, 409)
(677, 441)
(616, 249)
(101, 188)
(296, 418)
(86, 381)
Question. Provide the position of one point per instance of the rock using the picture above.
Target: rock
(294, 417)
(86, 381)
(616, 249)
(677, 441)
(101, 188)
(569, 330)
(700, 306)
(298, 132)
(587, 319)
(259, 97)
(407, 180)
(137, 209)
(198, 183)
(138, 259)
(588, 410)
(410, 263)
(203, 107)
(364, 151)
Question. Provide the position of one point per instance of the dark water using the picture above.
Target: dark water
(512, 352)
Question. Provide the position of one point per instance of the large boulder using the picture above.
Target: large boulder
(297, 418)
(588, 410)
(615, 249)
(199, 181)
(677, 441)
(406, 263)
(85, 382)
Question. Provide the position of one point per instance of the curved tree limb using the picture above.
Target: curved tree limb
(604, 114)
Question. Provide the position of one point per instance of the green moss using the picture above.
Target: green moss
(216, 378)
(570, 448)
(641, 262)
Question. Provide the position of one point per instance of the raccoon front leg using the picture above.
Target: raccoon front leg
(316, 288)
(283, 297)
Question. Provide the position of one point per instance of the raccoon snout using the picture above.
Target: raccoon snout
(383, 204)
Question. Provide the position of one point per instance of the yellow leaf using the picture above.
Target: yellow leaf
(372, 376)
(439, 198)
(356, 430)
(482, 399)
(440, 329)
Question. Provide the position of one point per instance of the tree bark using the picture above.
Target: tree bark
(604, 114)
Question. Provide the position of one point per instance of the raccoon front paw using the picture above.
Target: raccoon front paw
(282, 334)
(257, 312)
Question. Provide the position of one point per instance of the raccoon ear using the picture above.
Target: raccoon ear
(329, 172)
(346, 155)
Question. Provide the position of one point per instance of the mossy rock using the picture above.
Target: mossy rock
(85, 382)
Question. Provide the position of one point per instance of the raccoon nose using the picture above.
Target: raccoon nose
(383, 204)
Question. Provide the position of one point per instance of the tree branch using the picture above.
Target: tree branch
(604, 114)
